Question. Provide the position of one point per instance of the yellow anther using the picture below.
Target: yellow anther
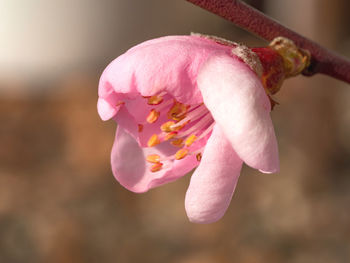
(178, 111)
(153, 141)
(153, 158)
(139, 127)
(177, 142)
(153, 116)
(166, 126)
(180, 154)
(170, 135)
(190, 139)
(199, 157)
(155, 100)
(156, 167)
(170, 126)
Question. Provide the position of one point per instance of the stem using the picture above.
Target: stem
(322, 60)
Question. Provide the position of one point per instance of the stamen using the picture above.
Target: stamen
(120, 103)
(177, 142)
(178, 111)
(207, 130)
(195, 106)
(153, 141)
(170, 135)
(153, 158)
(180, 154)
(155, 100)
(174, 130)
(156, 167)
(165, 104)
(192, 116)
(169, 126)
(153, 116)
(190, 139)
(199, 125)
(165, 127)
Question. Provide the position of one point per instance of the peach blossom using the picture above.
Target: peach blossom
(182, 102)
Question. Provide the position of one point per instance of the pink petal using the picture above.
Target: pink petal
(236, 98)
(105, 109)
(168, 64)
(213, 183)
(130, 168)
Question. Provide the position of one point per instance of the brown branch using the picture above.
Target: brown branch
(323, 60)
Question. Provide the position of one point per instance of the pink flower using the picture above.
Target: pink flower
(182, 102)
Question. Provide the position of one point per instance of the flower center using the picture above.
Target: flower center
(186, 129)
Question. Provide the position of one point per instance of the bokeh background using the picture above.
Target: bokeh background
(58, 199)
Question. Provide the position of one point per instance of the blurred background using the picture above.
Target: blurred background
(59, 201)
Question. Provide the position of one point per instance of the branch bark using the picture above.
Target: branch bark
(322, 60)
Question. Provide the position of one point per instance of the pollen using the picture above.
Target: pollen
(190, 139)
(139, 127)
(166, 126)
(177, 142)
(156, 167)
(199, 157)
(178, 111)
(153, 141)
(170, 135)
(153, 158)
(180, 154)
(155, 100)
(153, 116)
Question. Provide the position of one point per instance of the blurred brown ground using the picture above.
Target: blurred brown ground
(59, 201)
